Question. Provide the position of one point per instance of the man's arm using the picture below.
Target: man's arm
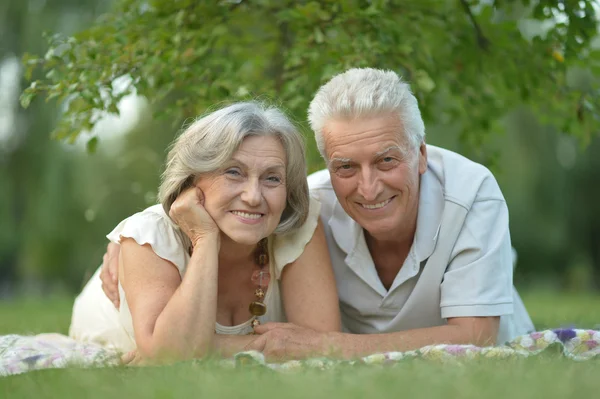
(288, 341)
(477, 289)
(479, 331)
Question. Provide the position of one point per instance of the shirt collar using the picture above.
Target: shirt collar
(429, 217)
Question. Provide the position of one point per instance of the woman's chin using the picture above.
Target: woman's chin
(244, 239)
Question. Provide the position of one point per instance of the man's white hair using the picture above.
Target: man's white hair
(365, 92)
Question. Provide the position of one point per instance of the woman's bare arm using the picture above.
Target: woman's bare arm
(308, 287)
(172, 318)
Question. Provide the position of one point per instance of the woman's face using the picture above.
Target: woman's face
(247, 196)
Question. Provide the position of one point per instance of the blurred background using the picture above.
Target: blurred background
(513, 85)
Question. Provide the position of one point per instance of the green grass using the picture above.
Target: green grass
(546, 376)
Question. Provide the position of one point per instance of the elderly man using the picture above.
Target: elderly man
(418, 235)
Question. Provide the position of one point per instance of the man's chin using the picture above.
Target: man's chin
(378, 228)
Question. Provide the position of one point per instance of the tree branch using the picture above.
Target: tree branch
(482, 41)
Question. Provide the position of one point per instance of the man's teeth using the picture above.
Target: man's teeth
(378, 205)
(247, 215)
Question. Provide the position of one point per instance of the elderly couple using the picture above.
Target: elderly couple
(396, 245)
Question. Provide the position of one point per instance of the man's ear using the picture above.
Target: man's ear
(422, 158)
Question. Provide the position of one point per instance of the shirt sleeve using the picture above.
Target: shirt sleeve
(479, 278)
(152, 228)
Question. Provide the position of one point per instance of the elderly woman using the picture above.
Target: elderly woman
(235, 241)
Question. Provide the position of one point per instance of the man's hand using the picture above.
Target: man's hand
(284, 341)
(109, 274)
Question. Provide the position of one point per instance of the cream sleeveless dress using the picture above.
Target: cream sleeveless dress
(95, 319)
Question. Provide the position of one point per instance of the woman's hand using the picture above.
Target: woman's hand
(189, 214)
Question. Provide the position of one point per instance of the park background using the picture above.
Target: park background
(92, 92)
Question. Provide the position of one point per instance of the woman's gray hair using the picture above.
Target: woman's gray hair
(208, 143)
(360, 92)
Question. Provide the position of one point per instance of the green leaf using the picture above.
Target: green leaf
(26, 98)
(91, 145)
(319, 37)
(424, 81)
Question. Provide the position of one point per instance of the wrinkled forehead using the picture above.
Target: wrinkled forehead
(263, 151)
(375, 135)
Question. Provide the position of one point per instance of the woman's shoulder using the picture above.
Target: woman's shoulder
(286, 248)
(153, 226)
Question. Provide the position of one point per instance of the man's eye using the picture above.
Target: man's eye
(387, 159)
(345, 167)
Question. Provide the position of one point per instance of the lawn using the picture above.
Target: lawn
(546, 376)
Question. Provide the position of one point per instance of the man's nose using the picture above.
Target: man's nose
(368, 186)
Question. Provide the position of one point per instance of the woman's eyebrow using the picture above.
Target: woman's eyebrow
(269, 168)
(275, 168)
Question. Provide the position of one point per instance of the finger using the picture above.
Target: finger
(257, 344)
(103, 268)
(128, 358)
(113, 266)
(114, 300)
(112, 247)
(264, 328)
(110, 292)
(113, 270)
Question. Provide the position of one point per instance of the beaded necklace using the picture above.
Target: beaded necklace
(261, 279)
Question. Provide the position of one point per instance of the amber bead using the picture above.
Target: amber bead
(257, 308)
(263, 259)
(261, 278)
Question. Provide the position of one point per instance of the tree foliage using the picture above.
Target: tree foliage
(468, 61)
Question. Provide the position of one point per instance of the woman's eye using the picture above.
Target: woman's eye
(274, 179)
(233, 172)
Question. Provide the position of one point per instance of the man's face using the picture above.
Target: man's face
(375, 173)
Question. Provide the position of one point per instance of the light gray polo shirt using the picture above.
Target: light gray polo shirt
(459, 265)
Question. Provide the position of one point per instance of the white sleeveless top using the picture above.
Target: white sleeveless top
(95, 319)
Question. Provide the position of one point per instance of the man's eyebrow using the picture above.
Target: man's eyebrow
(392, 148)
(340, 160)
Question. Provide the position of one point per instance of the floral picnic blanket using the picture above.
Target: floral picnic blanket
(21, 353)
